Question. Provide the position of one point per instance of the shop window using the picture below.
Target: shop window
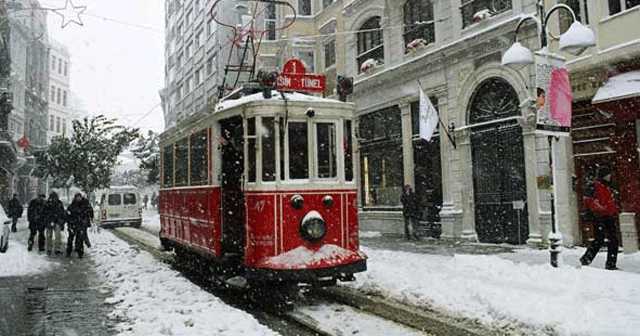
(348, 151)
(167, 166)
(298, 150)
(470, 7)
(370, 42)
(182, 163)
(381, 125)
(199, 157)
(268, 139)
(251, 148)
(418, 21)
(326, 150)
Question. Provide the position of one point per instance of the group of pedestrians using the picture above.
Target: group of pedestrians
(47, 219)
(154, 200)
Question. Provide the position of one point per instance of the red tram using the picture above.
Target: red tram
(264, 189)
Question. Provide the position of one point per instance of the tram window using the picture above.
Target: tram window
(268, 135)
(298, 148)
(348, 151)
(167, 166)
(326, 150)
(182, 162)
(251, 161)
(199, 158)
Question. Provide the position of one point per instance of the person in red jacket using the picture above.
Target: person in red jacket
(600, 200)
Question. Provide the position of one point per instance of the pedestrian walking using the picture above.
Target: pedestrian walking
(37, 221)
(145, 200)
(80, 215)
(154, 200)
(410, 212)
(15, 211)
(601, 201)
(56, 217)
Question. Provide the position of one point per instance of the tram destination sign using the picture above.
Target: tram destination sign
(295, 78)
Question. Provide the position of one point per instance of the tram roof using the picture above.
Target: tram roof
(275, 96)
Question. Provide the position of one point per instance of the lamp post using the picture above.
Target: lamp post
(573, 41)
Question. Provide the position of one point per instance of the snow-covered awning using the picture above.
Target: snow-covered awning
(622, 86)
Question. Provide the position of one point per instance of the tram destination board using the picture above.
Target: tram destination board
(295, 78)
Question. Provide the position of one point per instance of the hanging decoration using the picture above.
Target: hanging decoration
(70, 13)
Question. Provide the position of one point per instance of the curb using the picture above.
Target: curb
(413, 317)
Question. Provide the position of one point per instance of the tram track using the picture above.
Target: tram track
(320, 307)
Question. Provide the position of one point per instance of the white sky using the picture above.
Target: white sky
(117, 67)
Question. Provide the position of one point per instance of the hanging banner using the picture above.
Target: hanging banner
(553, 96)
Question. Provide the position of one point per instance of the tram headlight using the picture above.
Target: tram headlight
(327, 201)
(297, 201)
(313, 227)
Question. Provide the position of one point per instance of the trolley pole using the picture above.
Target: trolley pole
(554, 237)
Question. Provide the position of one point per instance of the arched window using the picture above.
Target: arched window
(494, 99)
(370, 43)
(418, 21)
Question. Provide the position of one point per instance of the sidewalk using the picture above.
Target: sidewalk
(507, 288)
(41, 295)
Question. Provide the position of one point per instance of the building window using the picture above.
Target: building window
(304, 7)
(270, 21)
(199, 157)
(58, 124)
(579, 7)
(180, 30)
(198, 39)
(470, 7)
(210, 27)
(188, 85)
(326, 3)
(188, 17)
(329, 53)
(210, 65)
(179, 60)
(64, 98)
(617, 6)
(66, 69)
(64, 126)
(197, 77)
(53, 63)
(307, 56)
(52, 123)
(381, 158)
(53, 93)
(370, 42)
(58, 96)
(60, 66)
(418, 21)
(179, 93)
(188, 51)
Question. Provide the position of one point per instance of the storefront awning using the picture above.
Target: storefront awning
(619, 87)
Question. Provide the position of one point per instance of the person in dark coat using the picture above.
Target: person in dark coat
(80, 215)
(14, 210)
(56, 216)
(145, 201)
(36, 214)
(410, 212)
(601, 201)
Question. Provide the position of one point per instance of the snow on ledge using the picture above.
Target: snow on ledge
(622, 86)
(303, 257)
(275, 96)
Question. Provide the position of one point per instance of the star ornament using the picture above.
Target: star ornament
(70, 13)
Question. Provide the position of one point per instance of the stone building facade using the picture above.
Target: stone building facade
(60, 109)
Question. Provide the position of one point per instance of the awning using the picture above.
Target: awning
(623, 86)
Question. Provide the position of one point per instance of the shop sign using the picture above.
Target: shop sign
(553, 94)
(295, 78)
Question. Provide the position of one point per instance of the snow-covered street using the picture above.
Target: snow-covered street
(506, 293)
(156, 300)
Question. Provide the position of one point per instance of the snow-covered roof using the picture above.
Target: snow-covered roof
(275, 96)
(622, 86)
(124, 187)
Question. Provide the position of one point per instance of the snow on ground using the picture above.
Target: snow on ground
(156, 300)
(151, 220)
(370, 234)
(17, 261)
(501, 292)
(339, 319)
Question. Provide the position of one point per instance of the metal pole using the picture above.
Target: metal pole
(554, 239)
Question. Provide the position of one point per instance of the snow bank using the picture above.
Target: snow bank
(17, 261)
(502, 292)
(156, 300)
(303, 257)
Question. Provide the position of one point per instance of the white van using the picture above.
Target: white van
(120, 206)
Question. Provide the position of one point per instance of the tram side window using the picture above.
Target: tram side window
(182, 162)
(348, 151)
(326, 149)
(199, 158)
(167, 166)
(268, 134)
(298, 148)
(251, 159)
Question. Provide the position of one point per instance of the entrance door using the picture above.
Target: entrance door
(498, 165)
(233, 216)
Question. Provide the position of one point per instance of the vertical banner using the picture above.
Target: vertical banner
(553, 96)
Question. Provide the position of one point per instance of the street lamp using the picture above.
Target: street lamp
(574, 41)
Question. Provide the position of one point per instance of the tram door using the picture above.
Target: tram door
(233, 217)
